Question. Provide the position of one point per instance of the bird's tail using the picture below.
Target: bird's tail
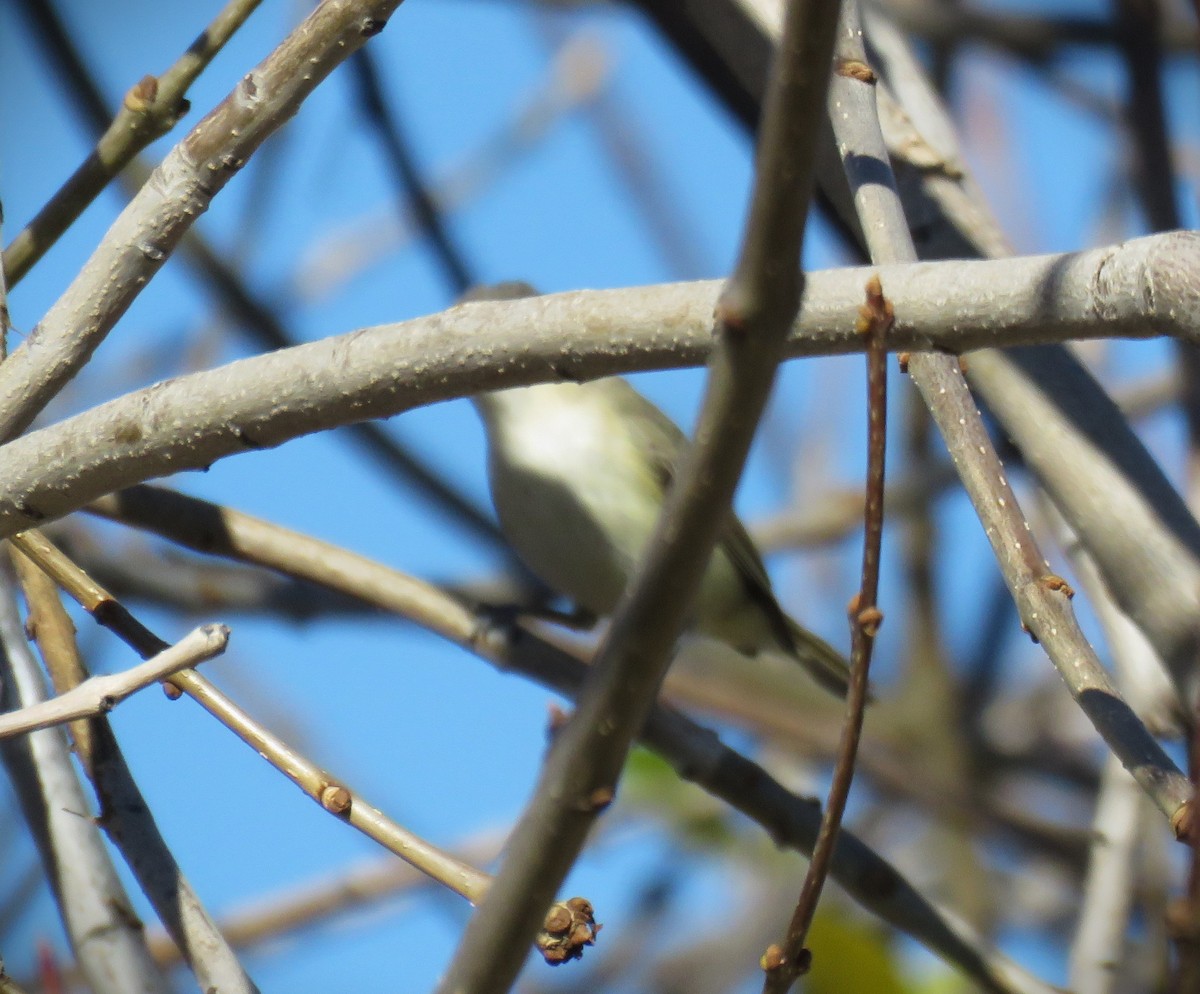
(824, 663)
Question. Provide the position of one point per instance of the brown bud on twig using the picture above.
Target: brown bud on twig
(141, 95)
(569, 927)
(869, 619)
(1183, 822)
(335, 798)
(1053, 582)
(856, 69)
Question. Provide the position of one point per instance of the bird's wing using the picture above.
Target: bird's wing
(663, 442)
(652, 432)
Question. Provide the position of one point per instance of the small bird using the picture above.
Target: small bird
(578, 475)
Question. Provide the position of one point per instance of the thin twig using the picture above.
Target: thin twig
(151, 108)
(311, 904)
(420, 202)
(100, 694)
(835, 514)
(1183, 914)
(579, 71)
(329, 792)
(627, 147)
(125, 814)
(783, 965)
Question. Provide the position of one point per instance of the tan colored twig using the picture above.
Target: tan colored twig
(310, 904)
(329, 792)
(98, 917)
(125, 815)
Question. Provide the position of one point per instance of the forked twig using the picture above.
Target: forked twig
(100, 694)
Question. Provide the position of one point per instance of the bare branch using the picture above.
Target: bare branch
(332, 794)
(180, 190)
(754, 313)
(1041, 598)
(695, 752)
(150, 109)
(125, 815)
(100, 694)
(784, 965)
(191, 421)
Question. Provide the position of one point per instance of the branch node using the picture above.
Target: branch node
(335, 799)
(856, 69)
(869, 619)
(599, 799)
(141, 96)
(774, 959)
(1052, 581)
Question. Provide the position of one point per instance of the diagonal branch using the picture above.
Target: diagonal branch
(696, 753)
(125, 815)
(180, 190)
(1042, 599)
(259, 320)
(105, 933)
(420, 201)
(754, 314)
(332, 794)
(150, 109)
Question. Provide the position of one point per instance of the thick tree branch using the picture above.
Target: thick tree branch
(191, 421)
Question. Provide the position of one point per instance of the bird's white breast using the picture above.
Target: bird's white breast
(575, 495)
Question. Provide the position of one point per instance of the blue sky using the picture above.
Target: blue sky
(430, 734)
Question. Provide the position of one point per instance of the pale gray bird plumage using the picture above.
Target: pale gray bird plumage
(578, 475)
